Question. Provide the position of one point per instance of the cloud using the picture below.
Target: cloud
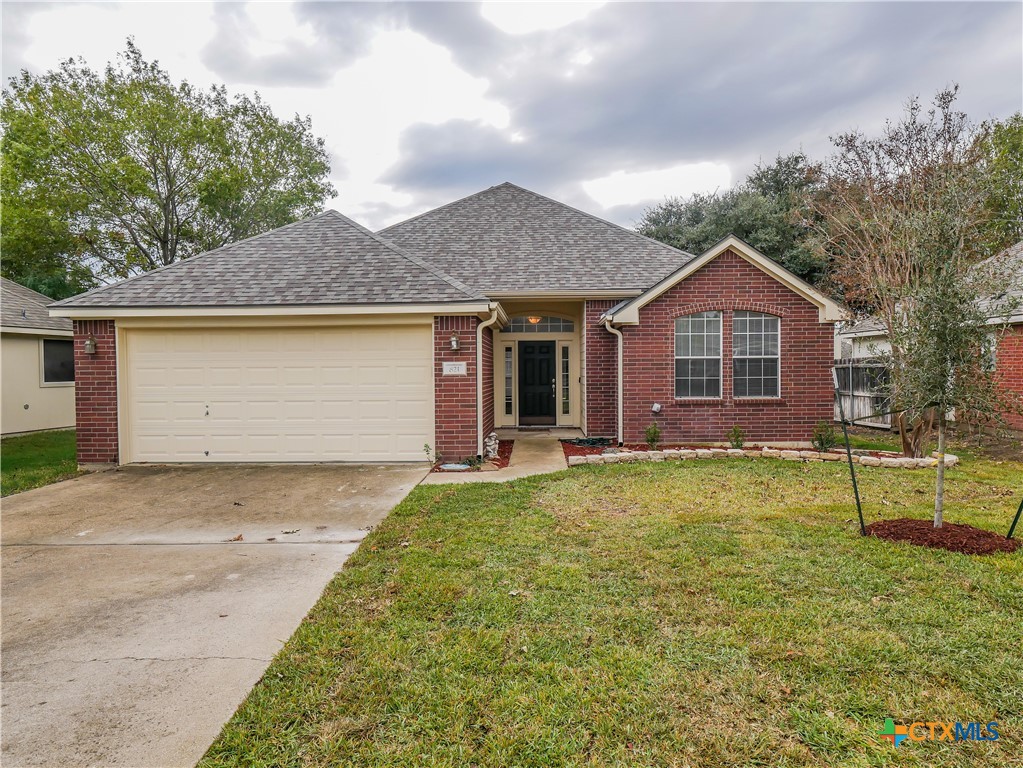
(520, 18)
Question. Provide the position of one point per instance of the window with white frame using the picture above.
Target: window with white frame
(508, 382)
(698, 355)
(58, 361)
(756, 357)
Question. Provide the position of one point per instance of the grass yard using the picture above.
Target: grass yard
(698, 613)
(29, 461)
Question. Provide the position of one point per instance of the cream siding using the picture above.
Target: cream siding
(49, 406)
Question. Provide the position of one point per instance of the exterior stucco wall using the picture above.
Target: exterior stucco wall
(49, 406)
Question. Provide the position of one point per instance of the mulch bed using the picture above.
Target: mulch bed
(951, 536)
(504, 452)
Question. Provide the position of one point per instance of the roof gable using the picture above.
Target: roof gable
(627, 313)
(327, 259)
(21, 307)
(509, 240)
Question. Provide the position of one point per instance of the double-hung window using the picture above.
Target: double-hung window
(698, 355)
(755, 355)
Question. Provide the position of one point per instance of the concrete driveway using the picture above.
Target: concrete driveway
(133, 625)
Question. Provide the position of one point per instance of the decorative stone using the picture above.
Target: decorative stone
(612, 458)
(751, 454)
(672, 453)
(627, 457)
(790, 455)
(907, 463)
(868, 461)
(809, 455)
(951, 460)
(927, 463)
(773, 453)
(687, 453)
(575, 461)
(703, 453)
(596, 459)
(656, 455)
(829, 456)
(886, 462)
(735, 452)
(719, 453)
(490, 446)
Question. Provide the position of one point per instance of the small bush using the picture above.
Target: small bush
(736, 437)
(824, 437)
(653, 436)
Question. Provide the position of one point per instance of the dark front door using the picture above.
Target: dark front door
(536, 382)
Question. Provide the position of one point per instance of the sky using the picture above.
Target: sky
(610, 107)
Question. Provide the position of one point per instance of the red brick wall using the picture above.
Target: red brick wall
(455, 396)
(96, 393)
(729, 283)
(488, 381)
(600, 363)
(1009, 368)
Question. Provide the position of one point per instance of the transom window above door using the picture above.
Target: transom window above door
(538, 324)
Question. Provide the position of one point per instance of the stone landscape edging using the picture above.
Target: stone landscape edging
(669, 454)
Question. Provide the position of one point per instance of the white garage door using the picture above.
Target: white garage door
(280, 394)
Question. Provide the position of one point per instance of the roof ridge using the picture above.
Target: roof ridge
(218, 249)
(442, 207)
(418, 261)
(598, 219)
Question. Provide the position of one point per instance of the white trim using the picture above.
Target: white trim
(494, 318)
(36, 331)
(829, 311)
(720, 357)
(761, 357)
(564, 295)
(42, 362)
(86, 313)
(621, 379)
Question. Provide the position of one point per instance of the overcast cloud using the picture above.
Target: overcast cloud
(606, 106)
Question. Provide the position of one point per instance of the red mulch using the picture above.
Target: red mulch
(951, 536)
(504, 452)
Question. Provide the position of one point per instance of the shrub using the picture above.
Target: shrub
(736, 437)
(824, 437)
(653, 436)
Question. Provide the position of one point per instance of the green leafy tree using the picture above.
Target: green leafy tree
(110, 174)
(766, 211)
(1002, 145)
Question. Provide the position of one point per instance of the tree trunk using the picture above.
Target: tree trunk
(915, 436)
(939, 491)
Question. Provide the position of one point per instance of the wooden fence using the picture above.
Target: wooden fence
(862, 387)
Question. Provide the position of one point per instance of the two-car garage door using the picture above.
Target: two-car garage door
(278, 394)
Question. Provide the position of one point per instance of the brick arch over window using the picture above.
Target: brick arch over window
(733, 306)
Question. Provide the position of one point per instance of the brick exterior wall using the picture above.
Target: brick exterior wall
(600, 363)
(1009, 368)
(727, 284)
(96, 393)
(455, 396)
(488, 381)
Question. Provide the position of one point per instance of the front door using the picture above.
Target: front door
(536, 382)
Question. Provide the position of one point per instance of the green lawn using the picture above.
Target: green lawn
(29, 461)
(699, 613)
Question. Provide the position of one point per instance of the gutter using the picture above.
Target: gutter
(621, 377)
(495, 314)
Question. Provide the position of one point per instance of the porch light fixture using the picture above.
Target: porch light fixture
(90, 345)
(534, 320)
(455, 343)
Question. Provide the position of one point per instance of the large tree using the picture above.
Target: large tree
(765, 210)
(110, 174)
(904, 218)
(1002, 145)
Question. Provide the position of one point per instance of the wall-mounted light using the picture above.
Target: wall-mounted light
(90, 345)
(534, 320)
(455, 343)
(655, 408)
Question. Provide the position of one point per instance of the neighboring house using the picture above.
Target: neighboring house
(323, 341)
(868, 338)
(37, 390)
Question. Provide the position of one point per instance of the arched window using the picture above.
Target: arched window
(756, 355)
(538, 324)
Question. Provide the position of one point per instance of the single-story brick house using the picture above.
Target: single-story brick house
(323, 341)
(37, 391)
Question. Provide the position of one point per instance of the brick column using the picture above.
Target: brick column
(1009, 370)
(455, 396)
(96, 393)
(600, 373)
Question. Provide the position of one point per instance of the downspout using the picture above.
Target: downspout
(621, 378)
(494, 314)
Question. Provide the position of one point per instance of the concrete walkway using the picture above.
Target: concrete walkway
(536, 452)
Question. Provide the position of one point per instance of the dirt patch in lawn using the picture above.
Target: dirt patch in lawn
(504, 452)
(951, 536)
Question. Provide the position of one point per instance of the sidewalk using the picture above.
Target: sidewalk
(535, 453)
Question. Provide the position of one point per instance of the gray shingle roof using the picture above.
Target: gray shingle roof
(21, 307)
(507, 239)
(325, 259)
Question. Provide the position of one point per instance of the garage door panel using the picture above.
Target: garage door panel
(351, 394)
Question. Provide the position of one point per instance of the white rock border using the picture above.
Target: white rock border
(671, 454)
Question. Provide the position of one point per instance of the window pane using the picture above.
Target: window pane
(698, 355)
(508, 381)
(58, 361)
(755, 349)
(521, 324)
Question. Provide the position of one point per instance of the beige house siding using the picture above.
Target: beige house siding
(27, 404)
